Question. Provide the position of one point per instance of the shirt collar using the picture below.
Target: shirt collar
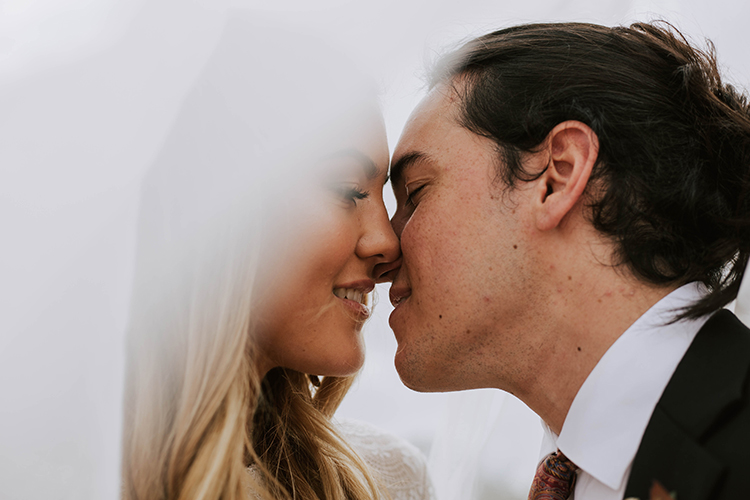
(607, 419)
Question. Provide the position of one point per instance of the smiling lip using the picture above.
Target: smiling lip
(357, 304)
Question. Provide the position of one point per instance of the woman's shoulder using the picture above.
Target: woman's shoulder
(398, 464)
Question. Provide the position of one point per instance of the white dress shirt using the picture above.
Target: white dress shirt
(605, 423)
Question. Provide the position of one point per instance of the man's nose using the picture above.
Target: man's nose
(398, 221)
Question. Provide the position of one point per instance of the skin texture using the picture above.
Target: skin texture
(336, 234)
(505, 288)
(458, 243)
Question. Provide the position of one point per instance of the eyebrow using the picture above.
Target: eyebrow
(403, 163)
(371, 170)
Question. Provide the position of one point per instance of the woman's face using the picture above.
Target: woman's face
(337, 242)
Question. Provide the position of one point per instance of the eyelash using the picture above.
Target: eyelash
(410, 197)
(352, 194)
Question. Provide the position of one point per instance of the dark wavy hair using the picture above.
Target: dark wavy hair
(674, 140)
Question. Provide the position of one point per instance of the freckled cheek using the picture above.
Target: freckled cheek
(327, 238)
(418, 235)
(431, 252)
(308, 268)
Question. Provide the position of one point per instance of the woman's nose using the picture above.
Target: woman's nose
(379, 242)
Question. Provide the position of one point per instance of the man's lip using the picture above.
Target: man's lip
(365, 286)
(398, 294)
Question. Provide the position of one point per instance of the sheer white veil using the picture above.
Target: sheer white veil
(78, 141)
(88, 95)
(81, 120)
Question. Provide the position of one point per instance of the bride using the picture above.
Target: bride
(262, 233)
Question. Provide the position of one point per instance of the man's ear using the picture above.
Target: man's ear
(571, 149)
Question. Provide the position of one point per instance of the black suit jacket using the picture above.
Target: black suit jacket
(697, 443)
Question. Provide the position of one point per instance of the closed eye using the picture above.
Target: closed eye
(412, 197)
(351, 193)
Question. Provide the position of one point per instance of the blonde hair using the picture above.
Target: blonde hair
(196, 414)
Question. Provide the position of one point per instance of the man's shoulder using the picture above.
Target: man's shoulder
(711, 375)
(696, 439)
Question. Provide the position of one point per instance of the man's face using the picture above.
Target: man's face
(465, 288)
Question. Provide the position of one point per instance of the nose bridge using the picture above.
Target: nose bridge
(378, 238)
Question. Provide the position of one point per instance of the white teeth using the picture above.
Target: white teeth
(351, 294)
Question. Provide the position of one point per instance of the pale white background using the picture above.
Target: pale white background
(87, 92)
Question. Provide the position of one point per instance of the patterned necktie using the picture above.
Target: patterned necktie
(554, 479)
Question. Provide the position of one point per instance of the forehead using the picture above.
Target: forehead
(362, 128)
(434, 115)
(434, 133)
(355, 144)
(427, 126)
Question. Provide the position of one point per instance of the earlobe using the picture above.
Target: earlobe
(572, 149)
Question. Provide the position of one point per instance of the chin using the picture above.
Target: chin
(423, 372)
(414, 374)
(342, 367)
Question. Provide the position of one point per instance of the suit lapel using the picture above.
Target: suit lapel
(711, 376)
(707, 381)
(667, 454)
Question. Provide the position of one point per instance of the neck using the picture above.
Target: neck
(586, 309)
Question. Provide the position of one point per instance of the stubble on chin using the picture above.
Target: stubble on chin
(423, 367)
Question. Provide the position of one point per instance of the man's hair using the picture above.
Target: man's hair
(671, 179)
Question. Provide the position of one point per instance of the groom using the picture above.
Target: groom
(573, 213)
